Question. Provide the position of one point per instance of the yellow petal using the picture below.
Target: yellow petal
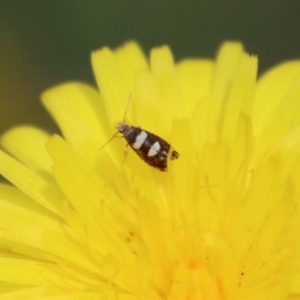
(195, 79)
(28, 145)
(112, 77)
(85, 126)
(270, 90)
(40, 187)
(15, 269)
(285, 118)
(244, 84)
(17, 208)
(166, 82)
(227, 65)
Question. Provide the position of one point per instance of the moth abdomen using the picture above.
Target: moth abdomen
(148, 146)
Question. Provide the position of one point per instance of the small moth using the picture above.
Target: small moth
(148, 146)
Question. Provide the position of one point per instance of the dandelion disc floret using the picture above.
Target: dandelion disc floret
(222, 222)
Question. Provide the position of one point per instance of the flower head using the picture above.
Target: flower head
(222, 222)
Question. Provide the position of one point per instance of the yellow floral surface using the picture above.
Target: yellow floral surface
(223, 222)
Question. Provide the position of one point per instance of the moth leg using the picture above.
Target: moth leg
(125, 152)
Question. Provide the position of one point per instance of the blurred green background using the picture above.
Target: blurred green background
(44, 43)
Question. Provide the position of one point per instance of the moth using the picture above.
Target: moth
(151, 148)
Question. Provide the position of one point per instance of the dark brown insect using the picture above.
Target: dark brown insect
(148, 146)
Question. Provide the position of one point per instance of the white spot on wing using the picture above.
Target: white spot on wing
(139, 140)
(154, 149)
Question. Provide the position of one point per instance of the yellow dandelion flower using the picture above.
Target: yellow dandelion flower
(222, 223)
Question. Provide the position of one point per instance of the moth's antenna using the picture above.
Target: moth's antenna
(127, 106)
